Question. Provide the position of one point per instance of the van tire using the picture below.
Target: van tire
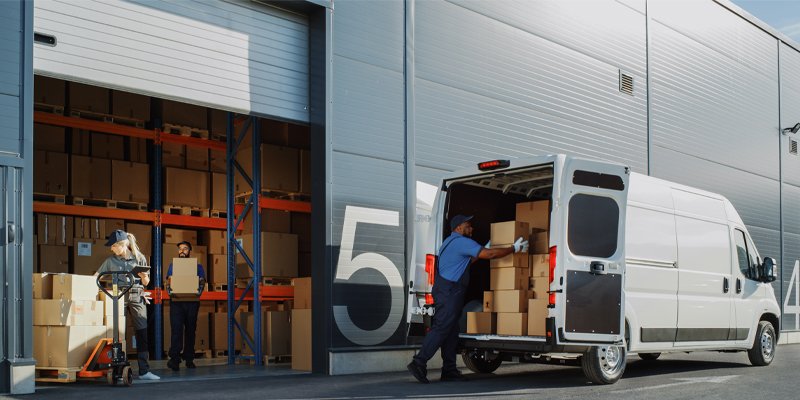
(649, 356)
(604, 365)
(478, 364)
(764, 345)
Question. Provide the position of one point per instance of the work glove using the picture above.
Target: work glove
(488, 245)
(520, 245)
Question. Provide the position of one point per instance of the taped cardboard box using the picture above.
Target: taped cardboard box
(108, 146)
(197, 158)
(279, 168)
(144, 237)
(481, 322)
(49, 138)
(277, 221)
(91, 177)
(108, 306)
(184, 280)
(302, 292)
(488, 301)
(219, 190)
(278, 255)
(49, 90)
(301, 339)
(172, 235)
(219, 329)
(42, 286)
(535, 213)
(218, 269)
(539, 287)
(130, 105)
(75, 287)
(540, 265)
(81, 142)
(54, 229)
(508, 278)
(170, 251)
(50, 172)
(138, 150)
(186, 187)
(216, 241)
(510, 301)
(65, 346)
(130, 181)
(88, 255)
(504, 234)
(512, 324)
(65, 312)
(514, 260)
(537, 316)
(53, 259)
(88, 98)
(173, 154)
(539, 242)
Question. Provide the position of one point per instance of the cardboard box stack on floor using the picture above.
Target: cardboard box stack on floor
(516, 305)
(68, 319)
(301, 325)
(89, 250)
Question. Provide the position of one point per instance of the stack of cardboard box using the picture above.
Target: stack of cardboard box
(216, 241)
(301, 325)
(279, 248)
(516, 305)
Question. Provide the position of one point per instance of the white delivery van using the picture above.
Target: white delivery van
(636, 264)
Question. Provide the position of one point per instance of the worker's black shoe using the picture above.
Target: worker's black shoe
(174, 364)
(419, 372)
(190, 364)
(453, 376)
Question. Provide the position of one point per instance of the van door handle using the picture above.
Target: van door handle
(738, 285)
(597, 268)
(725, 285)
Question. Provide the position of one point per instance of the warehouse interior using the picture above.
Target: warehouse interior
(107, 159)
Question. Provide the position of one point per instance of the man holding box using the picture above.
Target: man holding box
(183, 312)
(458, 252)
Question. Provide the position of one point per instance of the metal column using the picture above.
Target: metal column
(156, 266)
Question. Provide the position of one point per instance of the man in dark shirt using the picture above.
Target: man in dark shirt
(183, 316)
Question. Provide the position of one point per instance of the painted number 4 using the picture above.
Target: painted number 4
(794, 285)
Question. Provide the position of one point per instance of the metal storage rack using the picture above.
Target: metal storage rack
(255, 291)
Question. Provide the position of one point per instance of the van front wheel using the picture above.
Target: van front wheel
(604, 364)
(763, 350)
(479, 364)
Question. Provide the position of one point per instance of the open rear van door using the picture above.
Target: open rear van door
(591, 254)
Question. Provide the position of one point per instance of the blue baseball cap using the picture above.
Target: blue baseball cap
(458, 220)
(116, 236)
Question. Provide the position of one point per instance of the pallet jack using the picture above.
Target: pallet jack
(108, 357)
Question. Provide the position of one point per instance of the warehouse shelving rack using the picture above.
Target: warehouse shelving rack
(255, 291)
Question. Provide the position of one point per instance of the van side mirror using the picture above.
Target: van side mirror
(769, 270)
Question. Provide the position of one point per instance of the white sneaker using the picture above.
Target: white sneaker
(150, 377)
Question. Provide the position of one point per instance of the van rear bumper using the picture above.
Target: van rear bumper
(515, 345)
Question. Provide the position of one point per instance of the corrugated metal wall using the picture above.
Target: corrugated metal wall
(233, 55)
(10, 76)
(790, 166)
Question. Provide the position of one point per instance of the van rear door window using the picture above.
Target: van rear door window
(597, 180)
(593, 226)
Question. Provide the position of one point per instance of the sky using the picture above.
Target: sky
(783, 15)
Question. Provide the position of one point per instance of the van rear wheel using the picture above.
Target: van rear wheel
(649, 356)
(604, 364)
(478, 363)
(763, 350)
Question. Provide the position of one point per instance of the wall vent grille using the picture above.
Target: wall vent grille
(792, 146)
(625, 83)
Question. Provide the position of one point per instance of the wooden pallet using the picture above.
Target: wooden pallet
(220, 287)
(59, 375)
(50, 198)
(49, 108)
(131, 205)
(242, 283)
(219, 214)
(183, 130)
(218, 137)
(80, 201)
(203, 354)
(242, 198)
(185, 210)
(113, 119)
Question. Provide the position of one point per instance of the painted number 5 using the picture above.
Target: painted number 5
(348, 266)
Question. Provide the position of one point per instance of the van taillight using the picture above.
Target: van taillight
(430, 268)
(428, 298)
(552, 296)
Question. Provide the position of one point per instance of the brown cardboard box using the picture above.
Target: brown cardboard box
(540, 265)
(144, 237)
(219, 339)
(81, 142)
(109, 324)
(301, 339)
(88, 98)
(537, 316)
(170, 251)
(173, 112)
(49, 138)
(301, 226)
(513, 324)
(535, 213)
(539, 287)
(54, 229)
(108, 306)
(75, 287)
(172, 235)
(271, 221)
(508, 278)
(53, 259)
(504, 234)
(275, 332)
(88, 255)
(67, 312)
(49, 90)
(218, 269)
(184, 278)
(279, 168)
(510, 301)
(65, 346)
(539, 242)
(110, 225)
(108, 146)
(305, 171)
(197, 158)
(130, 181)
(138, 150)
(217, 162)
(130, 105)
(481, 322)
(173, 154)
(187, 188)
(219, 191)
(216, 241)
(218, 122)
(42, 286)
(302, 292)
(488, 301)
(278, 255)
(91, 177)
(515, 260)
(50, 172)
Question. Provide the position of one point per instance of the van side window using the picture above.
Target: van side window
(746, 259)
(593, 226)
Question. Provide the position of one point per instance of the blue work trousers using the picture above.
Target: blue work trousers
(449, 299)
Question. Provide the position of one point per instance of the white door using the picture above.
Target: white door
(591, 259)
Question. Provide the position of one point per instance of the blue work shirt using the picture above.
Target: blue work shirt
(456, 257)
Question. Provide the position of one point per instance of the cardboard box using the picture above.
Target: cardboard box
(514, 260)
(217, 161)
(108, 306)
(170, 252)
(539, 287)
(50, 172)
(173, 154)
(512, 324)
(108, 146)
(197, 158)
(130, 105)
(279, 168)
(75, 287)
(219, 337)
(138, 150)
(481, 322)
(305, 171)
(109, 324)
(91, 177)
(219, 192)
(301, 339)
(510, 301)
(278, 255)
(88, 98)
(42, 286)
(216, 241)
(539, 242)
(88, 255)
(302, 292)
(271, 221)
(218, 269)
(504, 234)
(54, 229)
(508, 278)
(535, 213)
(172, 235)
(184, 278)
(540, 265)
(81, 142)
(106, 226)
(130, 181)
(187, 188)
(65, 312)
(275, 332)
(53, 259)
(488, 301)
(173, 112)
(537, 316)
(49, 90)
(65, 346)
(144, 237)
(49, 138)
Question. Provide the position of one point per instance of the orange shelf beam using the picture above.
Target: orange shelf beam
(91, 125)
(195, 222)
(93, 212)
(192, 141)
(280, 205)
(268, 292)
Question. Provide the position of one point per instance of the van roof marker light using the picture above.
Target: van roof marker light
(494, 164)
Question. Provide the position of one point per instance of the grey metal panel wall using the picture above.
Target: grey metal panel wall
(487, 87)
(791, 253)
(790, 111)
(10, 51)
(714, 86)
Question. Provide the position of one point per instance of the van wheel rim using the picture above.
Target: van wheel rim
(766, 345)
(611, 359)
